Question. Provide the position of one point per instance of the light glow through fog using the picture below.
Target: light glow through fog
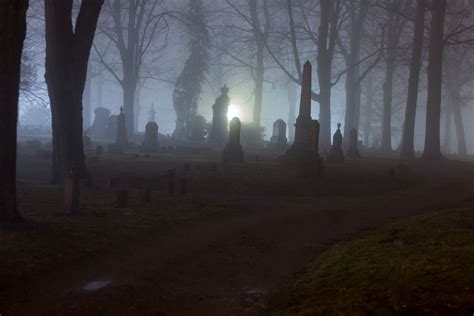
(234, 111)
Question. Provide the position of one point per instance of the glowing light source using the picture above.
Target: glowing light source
(233, 111)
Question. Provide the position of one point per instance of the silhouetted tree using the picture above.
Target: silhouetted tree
(408, 136)
(189, 84)
(12, 35)
(432, 148)
(67, 55)
(394, 28)
(132, 26)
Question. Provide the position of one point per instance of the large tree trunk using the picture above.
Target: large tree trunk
(408, 138)
(259, 77)
(12, 35)
(87, 102)
(67, 56)
(458, 124)
(386, 144)
(435, 65)
(326, 43)
(292, 99)
(129, 87)
(447, 129)
(353, 94)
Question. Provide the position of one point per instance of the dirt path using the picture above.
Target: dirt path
(228, 264)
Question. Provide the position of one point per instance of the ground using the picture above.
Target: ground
(230, 246)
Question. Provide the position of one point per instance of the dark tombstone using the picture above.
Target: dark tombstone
(353, 151)
(279, 141)
(72, 190)
(111, 131)
(150, 143)
(304, 150)
(151, 114)
(233, 152)
(198, 129)
(122, 198)
(98, 130)
(121, 141)
(336, 154)
(218, 134)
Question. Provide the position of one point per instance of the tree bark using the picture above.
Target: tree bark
(87, 112)
(292, 99)
(12, 35)
(432, 150)
(460, 134)
(67, 56)
(328, 30)
(408, 137)
(353, 90)
(447, 129)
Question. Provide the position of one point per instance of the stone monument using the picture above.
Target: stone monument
(150, 143)
(218, 134)
(152, 114)
(111, 131)
(304, 151)
(336, 154)
(353, 151)
(233, 152)
(98, 130)
(279, 141)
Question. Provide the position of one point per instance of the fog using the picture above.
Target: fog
(232, 48)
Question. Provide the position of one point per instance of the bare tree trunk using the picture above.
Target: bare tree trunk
(386, 144)
(129, 87)
(435, 65)
(260, 38)
(327, 40)
(87, 102)
(67, 56)
(12, 35)
(447, 129)
(408, 138)
(137, 107)
(292, 99)
(458, 124)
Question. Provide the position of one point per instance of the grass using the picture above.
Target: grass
(423, 265)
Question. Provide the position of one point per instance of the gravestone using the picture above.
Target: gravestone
(336, 154)
(353, 151)
(72, 190)
(98, 130)
(151, 114)
(150, 143)
(279, 141)
(303, 153)
(219, 132)
(198, 129)
(121, 141)
(111, 131)
(233, 152)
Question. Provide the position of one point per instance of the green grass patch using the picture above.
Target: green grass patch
(422, 264)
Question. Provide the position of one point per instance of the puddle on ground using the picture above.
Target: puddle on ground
(95, 285)
(254, 298)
